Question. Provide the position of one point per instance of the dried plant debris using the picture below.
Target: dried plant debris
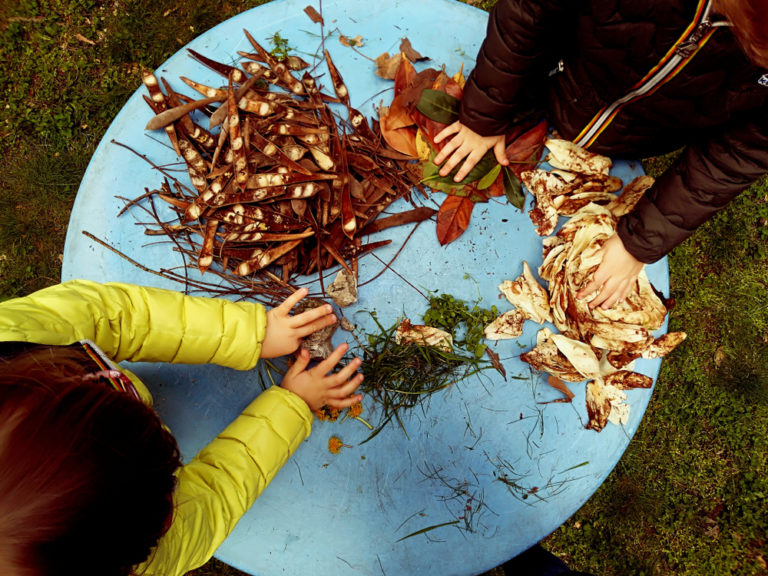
(318, 344)
(405, 364)
(343, 290)
(281, 182)
(407, 333)
(593, 344)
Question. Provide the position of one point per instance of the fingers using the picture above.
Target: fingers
(288, 304)
(614, 295)
(312, 315)
(347, 371)
(499, 150)
(299, 364)
(346, 401)
(448, 150)
(472, 159)
(307, 329)
(334, 358)
(445, 132)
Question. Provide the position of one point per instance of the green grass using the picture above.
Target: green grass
(689, 495)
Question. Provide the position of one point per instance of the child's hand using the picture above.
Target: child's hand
(284, 332)
(615, 275)
(467, 144)
(317, 387)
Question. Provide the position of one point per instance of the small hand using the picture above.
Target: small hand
(317, 387)
(466, 144)
(615, 275)
(284, 332)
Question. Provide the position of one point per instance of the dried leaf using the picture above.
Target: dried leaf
(386, 65)
(560, 386)
(410, 53)
(496, 361)
(355, 42)
(453, 218)
(405, 76)
(314, 15)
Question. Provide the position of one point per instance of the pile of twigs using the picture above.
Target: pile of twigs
(287, 187)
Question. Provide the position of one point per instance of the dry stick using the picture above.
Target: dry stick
(388, 264)
(124, 256)
(173, 239)
(129, 203)
(155, 166)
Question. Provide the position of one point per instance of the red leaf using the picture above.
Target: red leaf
(523, 152)
(453, 218)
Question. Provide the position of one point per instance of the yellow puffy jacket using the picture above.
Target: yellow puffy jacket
(152, 325)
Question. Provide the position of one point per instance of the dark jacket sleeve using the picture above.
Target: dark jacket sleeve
(703, 180)
(512, 63)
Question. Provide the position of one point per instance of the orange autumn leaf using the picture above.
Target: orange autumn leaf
(560, 386)
(386, 65)
(398, 129)
(453, 218)
(401, 139)
(405, 75)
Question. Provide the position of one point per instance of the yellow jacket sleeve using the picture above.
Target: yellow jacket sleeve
(216, 488)
(137, 323)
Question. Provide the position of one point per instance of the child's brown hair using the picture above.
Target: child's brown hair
(750, 26)
(86, 472)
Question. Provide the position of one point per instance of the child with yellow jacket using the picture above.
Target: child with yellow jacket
(90, 480)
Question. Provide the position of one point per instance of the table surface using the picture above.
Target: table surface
(349, 513)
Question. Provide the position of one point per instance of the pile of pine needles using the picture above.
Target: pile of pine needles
(402, 376)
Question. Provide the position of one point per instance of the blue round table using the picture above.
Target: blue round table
(353, 513)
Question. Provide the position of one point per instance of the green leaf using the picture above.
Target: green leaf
(513, 189)
(439, 106)
(489, 178)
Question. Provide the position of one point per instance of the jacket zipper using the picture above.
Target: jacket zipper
(682, 52)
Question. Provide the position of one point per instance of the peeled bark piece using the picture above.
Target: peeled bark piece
(527, 295)
(598, 406)
(567, 156)
(628, 380)
(547, 358)
(630, 196)
(420, 335)
(507, 325)
(580, 355)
